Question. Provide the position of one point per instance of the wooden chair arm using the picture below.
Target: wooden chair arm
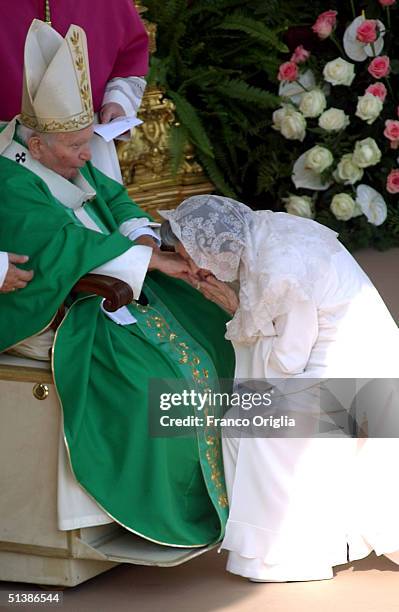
(116, 292)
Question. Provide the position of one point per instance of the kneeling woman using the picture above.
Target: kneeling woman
(304, 309)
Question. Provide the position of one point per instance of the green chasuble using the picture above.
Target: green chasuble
(167, 489)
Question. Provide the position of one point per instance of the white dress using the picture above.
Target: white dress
(300, 506)
(308, 317)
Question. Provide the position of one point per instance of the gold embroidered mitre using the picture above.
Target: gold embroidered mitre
(56, 84)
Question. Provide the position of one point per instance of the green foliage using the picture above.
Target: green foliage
(192, 122)
(257, 30)
(216, 60)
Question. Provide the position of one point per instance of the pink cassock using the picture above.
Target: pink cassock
(117, 42)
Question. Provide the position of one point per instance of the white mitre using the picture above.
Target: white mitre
(56, 83)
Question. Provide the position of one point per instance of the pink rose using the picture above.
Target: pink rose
(392, 132)
(377, 89)
(387, 2)
(367, 31)
(391, 129)
(288, 72)
(325, 24)
(379, 67)
(393, 181)
(300, 55)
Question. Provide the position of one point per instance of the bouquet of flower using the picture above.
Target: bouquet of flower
(342, 105)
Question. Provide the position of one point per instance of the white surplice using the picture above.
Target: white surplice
(300, 506)
(128, 93)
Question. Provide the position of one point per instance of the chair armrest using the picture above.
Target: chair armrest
(116, 292)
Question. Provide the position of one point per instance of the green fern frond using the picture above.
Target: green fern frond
(255, 29)
(224, 163)
(158, 72)
(189, 117)
(239, 90)
(203, 7)
(266, 179)
(174, 11)
(216, 176)
(178, 140)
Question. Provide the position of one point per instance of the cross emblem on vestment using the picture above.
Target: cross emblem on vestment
(20, 158)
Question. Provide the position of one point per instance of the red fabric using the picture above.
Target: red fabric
(117, 42)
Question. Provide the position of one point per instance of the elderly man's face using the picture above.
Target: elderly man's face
(64, 153)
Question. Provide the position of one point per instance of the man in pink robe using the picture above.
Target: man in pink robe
(117, 43)
(118, 54)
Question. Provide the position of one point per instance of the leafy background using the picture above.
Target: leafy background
(217, 60)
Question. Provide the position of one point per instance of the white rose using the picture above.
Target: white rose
(339, 72)
(313, 103)
(318, 159)
(299, 205)
(366, 153)
(347, 171)
(280, 114)
(293, 126)
(369, 108)
(333, 120)
(342, 206)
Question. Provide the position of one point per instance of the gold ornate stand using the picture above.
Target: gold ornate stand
(145, 159)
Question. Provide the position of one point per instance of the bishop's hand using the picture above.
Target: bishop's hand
(15, 277)
(171, 264)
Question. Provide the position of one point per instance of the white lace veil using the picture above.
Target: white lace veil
(212, 230)
(277, 257)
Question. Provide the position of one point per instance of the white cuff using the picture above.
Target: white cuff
(131, 87)
(3, 266)
(144, 231)
(130, 267)
(120, 98)
(140, 227)
(127, 227)
(128, 92)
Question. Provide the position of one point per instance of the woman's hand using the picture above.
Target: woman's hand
(219, 292)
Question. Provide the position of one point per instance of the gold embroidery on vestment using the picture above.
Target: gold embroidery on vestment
(156, 322)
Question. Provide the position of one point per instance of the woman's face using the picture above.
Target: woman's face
(198, 272)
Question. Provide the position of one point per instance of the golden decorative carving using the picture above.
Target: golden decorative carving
(145, 159)
(150, 27)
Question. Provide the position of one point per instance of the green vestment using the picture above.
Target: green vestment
(167, 489)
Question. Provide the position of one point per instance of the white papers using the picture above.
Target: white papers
(116, 127)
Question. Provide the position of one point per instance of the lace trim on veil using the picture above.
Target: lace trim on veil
(285, 256)
(278, 258)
